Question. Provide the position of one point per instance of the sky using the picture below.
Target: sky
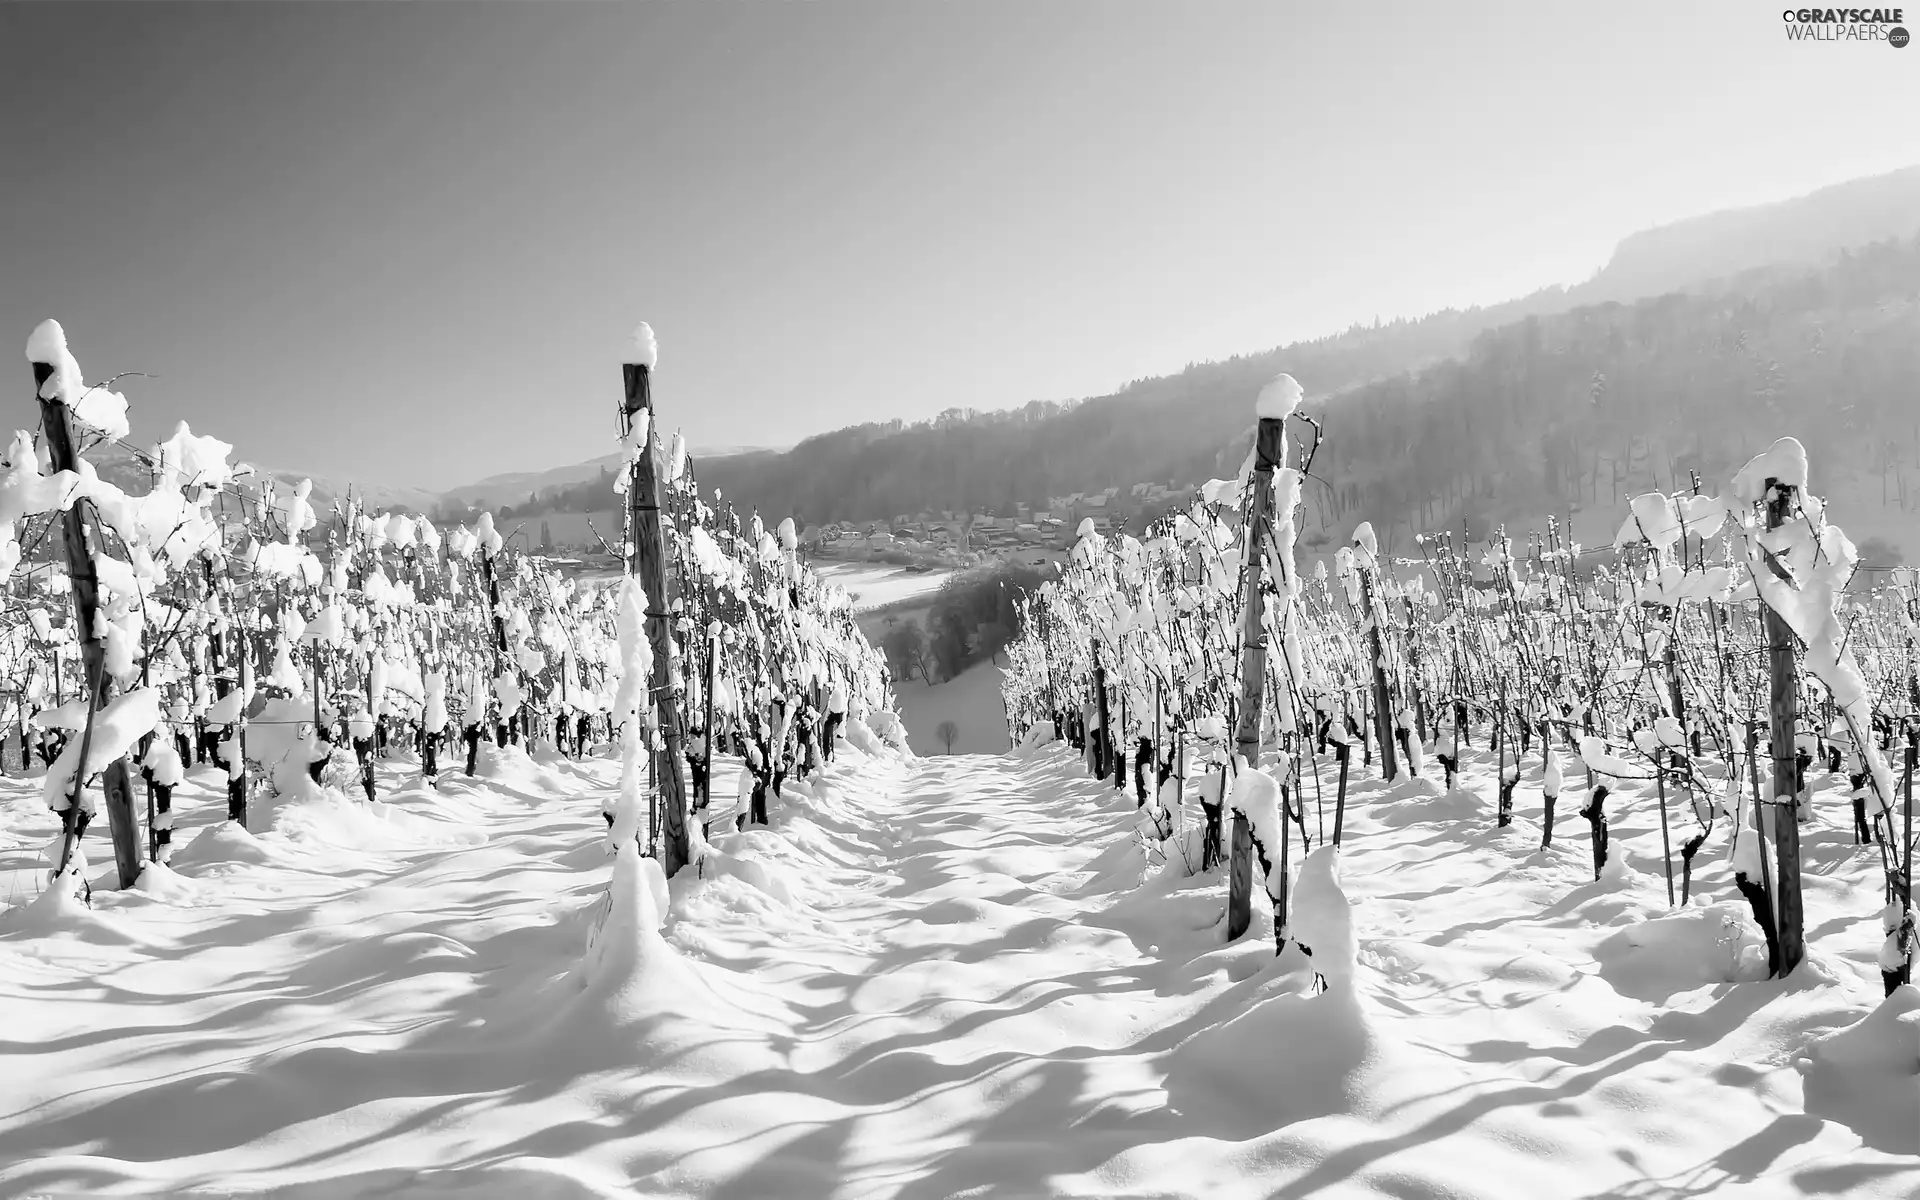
(406, 243)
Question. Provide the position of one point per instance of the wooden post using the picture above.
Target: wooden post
(1786, 832)
(1046, 645)
(79, 538)
(649, 563)
(1269, 445)
(1103, 741)
(1666, 837)
(706, 721)
(1382, 714)
(499, 638)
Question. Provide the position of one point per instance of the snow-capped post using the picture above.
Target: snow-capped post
(1102, 738)
(1381, 705)
(1550, 784)
(499, 631)
(1046, 643)
(1897, 952)
(1780, 504)
(1269, 447)
(46, 350)
(648, 561)
(1660, 797)
(706, 717)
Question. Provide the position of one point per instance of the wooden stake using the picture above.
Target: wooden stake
(1666, 838)
(649, 563)
(1269, 445)
(80, 538)
(1382, 702)
(1103, 741)
(1786, 833)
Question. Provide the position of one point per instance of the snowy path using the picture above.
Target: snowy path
(944, 977)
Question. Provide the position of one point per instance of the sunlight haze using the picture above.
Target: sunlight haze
(367, 240)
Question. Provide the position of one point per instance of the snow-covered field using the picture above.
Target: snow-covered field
(876, 585)
(954, 976)
(971, 700)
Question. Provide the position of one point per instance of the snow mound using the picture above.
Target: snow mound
(224, 844)
(1040, 735)
(1431, 804)
(639, 1000)
(1287, 1058)
(1691, 948)
(60, 913)
(1323, 917)
(1867, 1076)
(162, 882)
(887, 727)
(323, 816)
(514, 767)
(862, 738)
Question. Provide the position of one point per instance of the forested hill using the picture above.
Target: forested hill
(1153, 430)
(1543, 415)
(1552, 415)
(1178, 428)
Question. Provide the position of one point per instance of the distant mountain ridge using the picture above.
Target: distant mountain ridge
(513, 487)
(1175, 428)
(1179, 427)
(1804, 231)
(1183, 427)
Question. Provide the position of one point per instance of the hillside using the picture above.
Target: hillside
(1801, 232)
(1183, 428)
(1797, 342)
(515, 487)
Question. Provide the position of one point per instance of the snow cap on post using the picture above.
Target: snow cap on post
(641, 347)
(1784, 461)
(1364, 540)
(47, 347)
(104, 410)
(1279, 399)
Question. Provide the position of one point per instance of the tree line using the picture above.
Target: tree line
(973, 617)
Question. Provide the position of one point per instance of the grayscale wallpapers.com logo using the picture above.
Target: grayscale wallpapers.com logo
(1846, 25)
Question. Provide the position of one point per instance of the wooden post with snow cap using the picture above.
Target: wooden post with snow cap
(1101, 739)
(45, 350)
(1376, 650)
(1277, 400)
(1780, 499)
(648, 562)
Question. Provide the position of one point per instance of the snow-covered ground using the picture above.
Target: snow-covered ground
(954, 976)
(876, 585)
(971, 700)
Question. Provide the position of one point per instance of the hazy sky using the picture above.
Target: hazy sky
(405, 243)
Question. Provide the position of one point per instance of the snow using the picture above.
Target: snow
(641, 347)
(1279, 399)
(123, 721)
(1785, 460)
(47, 343)
(1867, 1075)
(943, 976)
(876, 585)
(971, 700)
(105, 411)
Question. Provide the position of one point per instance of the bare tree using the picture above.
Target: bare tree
(948, 733)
